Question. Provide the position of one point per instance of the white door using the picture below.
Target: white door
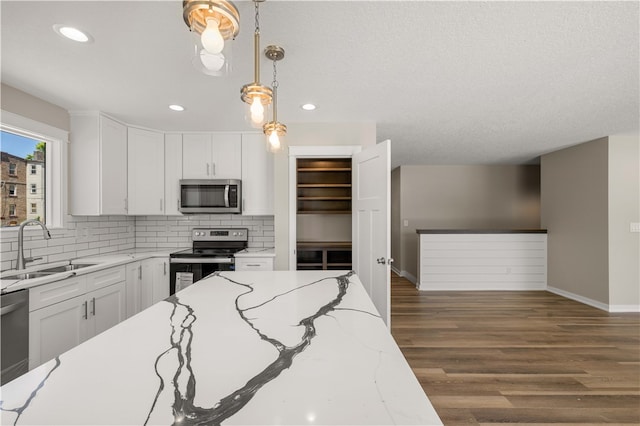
(371, 225)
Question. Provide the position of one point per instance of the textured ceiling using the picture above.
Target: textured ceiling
(447, 82)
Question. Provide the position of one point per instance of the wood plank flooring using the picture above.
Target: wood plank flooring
(532, 357)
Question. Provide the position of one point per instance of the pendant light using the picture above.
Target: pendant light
(212, 22)
(256, 96)
(274, 130)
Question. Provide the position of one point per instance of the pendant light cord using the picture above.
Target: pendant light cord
(274, 85)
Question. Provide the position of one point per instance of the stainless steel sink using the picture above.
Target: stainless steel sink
(28, 275)
(65, 268)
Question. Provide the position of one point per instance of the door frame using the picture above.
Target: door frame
(295, 152)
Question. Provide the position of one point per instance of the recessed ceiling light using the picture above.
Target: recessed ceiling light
(72, 33)
(308, 107)
(176, 107)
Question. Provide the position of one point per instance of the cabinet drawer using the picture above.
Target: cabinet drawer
(56, 292)
(105, 278)
(254, 264)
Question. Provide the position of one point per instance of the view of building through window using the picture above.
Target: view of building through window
(23, 180)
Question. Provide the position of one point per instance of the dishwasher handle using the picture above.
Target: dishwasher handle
(10, 308)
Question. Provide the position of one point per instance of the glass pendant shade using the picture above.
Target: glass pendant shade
(213, 23)
(214, 64)
(257, 100)
(275, 133)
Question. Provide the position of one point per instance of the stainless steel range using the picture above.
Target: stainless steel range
(212, 250)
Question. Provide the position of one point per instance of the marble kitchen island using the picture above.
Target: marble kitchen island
(281, 347)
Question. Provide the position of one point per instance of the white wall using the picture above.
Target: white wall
(308, 134)
(624, 208)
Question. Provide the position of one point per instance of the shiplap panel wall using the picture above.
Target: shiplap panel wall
(482, 261)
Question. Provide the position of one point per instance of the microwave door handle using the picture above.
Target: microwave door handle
(226, 195)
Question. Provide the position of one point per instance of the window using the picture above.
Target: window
(12, 169)
(28, 143)
(13, 191)
(12, 210)
(34, 169)
(34, 208)
(34, 188)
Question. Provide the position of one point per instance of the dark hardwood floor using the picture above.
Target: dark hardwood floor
(529, 357)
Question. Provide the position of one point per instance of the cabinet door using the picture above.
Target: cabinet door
(172, 173)
(257, 176)
(226, 156)
(196, 156)
(132, 291)
(254, 264)
(146, 283)
(146, 172)
(160, 289)
(113, 167)
(56, 329)
(106, 307)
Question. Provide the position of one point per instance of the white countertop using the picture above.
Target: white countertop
(281, 347)
(256, 252)
(101, 262)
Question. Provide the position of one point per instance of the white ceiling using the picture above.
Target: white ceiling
(447, 82)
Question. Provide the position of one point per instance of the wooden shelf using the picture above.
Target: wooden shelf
(323, 255)
(326, 192)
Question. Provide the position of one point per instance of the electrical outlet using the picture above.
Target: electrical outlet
(405, 222)
(634, 227)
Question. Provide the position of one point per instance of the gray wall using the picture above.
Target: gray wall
(460, 197)
(575, 212)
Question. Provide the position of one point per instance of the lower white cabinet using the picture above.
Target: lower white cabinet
(254, 264)
(147, 283)
(65, 313)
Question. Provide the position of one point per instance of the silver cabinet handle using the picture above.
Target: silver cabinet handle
(253, 264)
(86, 315)
(178, 204)
(213, 166)
(93, 306)
(160, 204)
(140, 272)
(165, 268)
(207, 169)
(126, 204)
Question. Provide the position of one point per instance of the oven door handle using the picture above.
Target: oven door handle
(226, 195)
(202, 260)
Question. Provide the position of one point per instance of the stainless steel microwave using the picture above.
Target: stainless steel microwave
(210, 196)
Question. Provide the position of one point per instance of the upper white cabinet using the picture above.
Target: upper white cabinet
(257, 176)
(145, 172)
(211, 156)
(98, 165)
(172, 172)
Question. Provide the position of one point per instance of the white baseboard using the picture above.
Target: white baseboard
(578, 298)
(624, 308)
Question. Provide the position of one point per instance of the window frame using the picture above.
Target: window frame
(13, 190)
(33, 169)
(33, 188)
(57, 141)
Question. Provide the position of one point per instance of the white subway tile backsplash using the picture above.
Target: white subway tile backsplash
(93, 235)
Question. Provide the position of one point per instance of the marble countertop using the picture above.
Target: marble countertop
(256, 252)
(281, 347)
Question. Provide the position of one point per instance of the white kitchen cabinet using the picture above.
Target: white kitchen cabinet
(254, 263)
(257, 176)
(211, 156)
(98, 165)
(68, 312)
(145, 172)
(147, 284)
(172, 173)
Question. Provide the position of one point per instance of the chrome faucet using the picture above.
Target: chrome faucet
(21, 263)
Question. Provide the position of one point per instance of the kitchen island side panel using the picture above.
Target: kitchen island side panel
(482, 261)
